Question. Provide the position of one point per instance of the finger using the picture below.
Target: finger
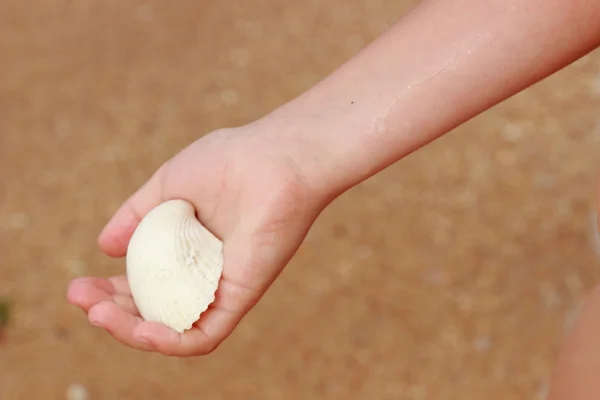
(195, 341)
(118, 323)
(574, 373)
(88, 291)
(120, 284)
(232, 302)
(126, 303)
(114, 238)
(233, 299)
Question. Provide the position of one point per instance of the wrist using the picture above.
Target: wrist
(334, 133)
(382, 105)
(300, 136)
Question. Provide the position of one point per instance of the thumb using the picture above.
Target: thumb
(115, 236)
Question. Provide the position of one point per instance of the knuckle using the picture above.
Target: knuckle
(203, 350)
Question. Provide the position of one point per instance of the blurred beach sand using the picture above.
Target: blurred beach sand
(451, 275)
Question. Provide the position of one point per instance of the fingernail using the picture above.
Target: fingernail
(144, 341)
(96, 323)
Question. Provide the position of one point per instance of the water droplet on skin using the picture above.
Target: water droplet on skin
(378, 126)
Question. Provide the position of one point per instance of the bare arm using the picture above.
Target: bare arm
(442, 64)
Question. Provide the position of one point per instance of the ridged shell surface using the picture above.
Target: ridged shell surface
(173, 265)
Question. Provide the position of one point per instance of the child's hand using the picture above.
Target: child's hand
(371, 112)
(249, 194)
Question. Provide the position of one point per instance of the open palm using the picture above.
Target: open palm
(249, 195)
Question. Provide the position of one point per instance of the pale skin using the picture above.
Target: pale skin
(260, 187)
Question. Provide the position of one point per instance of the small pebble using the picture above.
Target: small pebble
(365, 252)
(465, 302)
(499, 372)
(345, 269)
(573, 282)
(417, 392)
(62, 128)
(75, 267)
(435, 277)
(507, 158)
(112, 154)
(550, 296)
(77, 392)
(544, 181)
(512, 132)
(18, 221)
(240, 57)
(450, 337)
(482, 344)
(144, 13)
(229, 97)
(355, 42)
(571, 317)
(542, 392)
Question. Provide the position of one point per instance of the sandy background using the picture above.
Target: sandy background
(451, 275)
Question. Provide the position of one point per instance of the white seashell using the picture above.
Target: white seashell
(173, 265)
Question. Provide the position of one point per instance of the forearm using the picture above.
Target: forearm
(442, 64)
